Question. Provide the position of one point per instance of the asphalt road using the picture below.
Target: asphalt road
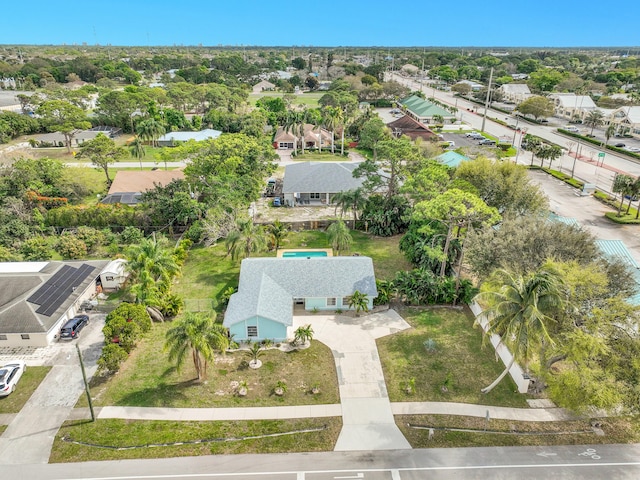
(565, 462)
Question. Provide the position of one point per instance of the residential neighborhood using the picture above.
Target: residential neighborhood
(248, 251)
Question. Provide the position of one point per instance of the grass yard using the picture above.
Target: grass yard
(26, 386)
(148, 379)
(453, 370)
(120, 433)
(616, 429)
(309, 99)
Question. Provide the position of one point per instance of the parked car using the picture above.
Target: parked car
(10, 374)
(71, 329)
(475, 135)
(634, 149)
(487, 142)
(620, 145)
(276, 202)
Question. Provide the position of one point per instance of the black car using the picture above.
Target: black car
(71, 329)
(620, 145)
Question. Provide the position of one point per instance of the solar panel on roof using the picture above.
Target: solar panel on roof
(58, 288)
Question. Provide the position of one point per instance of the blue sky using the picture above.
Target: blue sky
(559, 23)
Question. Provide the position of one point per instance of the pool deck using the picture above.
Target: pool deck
(328, 251)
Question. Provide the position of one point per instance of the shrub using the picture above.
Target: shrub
(111, 359)
(92, 237)
(36, 248)
(131, 235)
(70, 247)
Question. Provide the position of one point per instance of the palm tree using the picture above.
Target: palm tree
(291, 126)
(255, 352)
(198, 334)
(519, 309)
(152, 266)
(609, 132)
(150, 130)
(303, 335)
(277, 231)
(137, 149)
(622, 185)
(245, 239)
(339, 236)
(594, 119)
(333, 117)
(359, 301)
(353, 200)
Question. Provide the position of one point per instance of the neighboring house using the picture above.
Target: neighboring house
(36, 298)
(571, 106)
(262, 86)
(424, 111)
(410, 69)
(114, 275)
(475, 86)
(56, 139)
(129, 185)
(172, 138)
(269, 289)
(626, 121)
(452, 159)
(519, 76)
(411, 128)
(515, 92)
(316, 183)
(314, 137)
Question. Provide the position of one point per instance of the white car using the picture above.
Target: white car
(634, 149)
(10, 374)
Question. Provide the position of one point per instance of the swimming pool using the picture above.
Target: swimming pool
(304, 254)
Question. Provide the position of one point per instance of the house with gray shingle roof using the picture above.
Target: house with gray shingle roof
(171, 139)
(316, 183)
(37, 297)
(269, 288)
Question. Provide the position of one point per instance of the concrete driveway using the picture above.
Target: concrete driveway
(29, 437)
(367, 419)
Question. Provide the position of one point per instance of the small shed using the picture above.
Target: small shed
(114, 274)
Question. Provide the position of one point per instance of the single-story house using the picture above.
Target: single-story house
(36, 298)
(515, 92)
(413, 129)
(475, 86)
(114, 275)
(316, 183)
(424, 111)
(626, 121)
(172, 138)
(314, 137)
(129, 185)
(56, 139)
(452, 159)
(262, 86)
(269, 289)
(571, 106)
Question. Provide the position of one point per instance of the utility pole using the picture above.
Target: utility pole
(486, 103)
(86, 384)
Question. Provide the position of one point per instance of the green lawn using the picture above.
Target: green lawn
(456, 361)
(26, 386)
(148, 379)
(321, 156)
(616, 429)
(307, 99)
(123, 433)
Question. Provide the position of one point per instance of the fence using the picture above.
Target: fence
(199, 305)
(502, 351)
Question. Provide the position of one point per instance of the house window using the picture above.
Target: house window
(314, 196)
(3, 337)
(109, 279)
(331, 302)
(252, 331)
(345, 301)
(25, 336)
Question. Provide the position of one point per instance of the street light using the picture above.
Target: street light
(522, 134)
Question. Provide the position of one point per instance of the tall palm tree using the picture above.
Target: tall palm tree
(151, 262)
(277, 231)
(245, 239)
(137, 149)
(333, 117)
(150, 130)
(199, 335)
(339, 236)
(594, 119)
(519, 309)
(291, 126)
(353, 200)
(609, 132)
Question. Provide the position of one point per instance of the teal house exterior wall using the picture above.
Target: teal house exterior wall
(321, 303)
(267, 329)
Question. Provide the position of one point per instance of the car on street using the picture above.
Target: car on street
(569, 128)
(10, 374)
(634, 149)
(620, 145)
(71, 329)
